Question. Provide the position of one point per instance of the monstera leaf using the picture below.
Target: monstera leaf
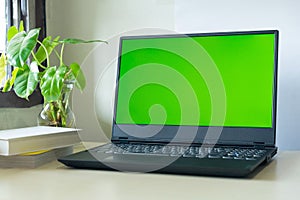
(52, 83)
(26, 80)
(20, 47)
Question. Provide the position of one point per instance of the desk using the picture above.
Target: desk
(279, 180)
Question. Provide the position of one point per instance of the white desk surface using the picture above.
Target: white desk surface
(279, 180)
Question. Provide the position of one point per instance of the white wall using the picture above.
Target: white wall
(19, 117)
(284, 15)
(102, 19)
(106, 19)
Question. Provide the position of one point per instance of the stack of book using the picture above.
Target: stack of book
(34, 146)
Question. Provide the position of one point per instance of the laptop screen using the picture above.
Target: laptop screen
(214, 79)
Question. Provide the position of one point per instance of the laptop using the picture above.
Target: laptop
(195, 104)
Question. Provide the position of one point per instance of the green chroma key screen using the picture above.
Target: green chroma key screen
(176, 80)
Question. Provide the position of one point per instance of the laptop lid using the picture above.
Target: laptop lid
(197, 88)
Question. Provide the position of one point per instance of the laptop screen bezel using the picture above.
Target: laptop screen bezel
(228, 136)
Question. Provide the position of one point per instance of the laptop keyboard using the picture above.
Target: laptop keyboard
(184, 151)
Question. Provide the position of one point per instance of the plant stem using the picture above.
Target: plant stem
(53, 113)
(61, 54)
(56, 53)
(39, 64)
(62, 109)
(47, 55)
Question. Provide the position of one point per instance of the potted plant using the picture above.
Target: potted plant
(27, 55)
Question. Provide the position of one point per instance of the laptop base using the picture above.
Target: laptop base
(187, 166)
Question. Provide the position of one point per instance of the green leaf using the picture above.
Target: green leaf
(7, 86)
(9, 82)
(34, 67)
(52, 82)
(21, 27)
(12, 31)
(20, 47)
(79, 41)
(80, 81)
(25, 82)
(49, 45)
(14, 75)
(2, 67)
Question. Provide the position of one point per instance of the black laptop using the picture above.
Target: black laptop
(197, 104)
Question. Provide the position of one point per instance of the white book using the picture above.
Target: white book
(29, 139)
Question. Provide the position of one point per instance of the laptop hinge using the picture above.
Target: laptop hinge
(259, 145)
(121, 140)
